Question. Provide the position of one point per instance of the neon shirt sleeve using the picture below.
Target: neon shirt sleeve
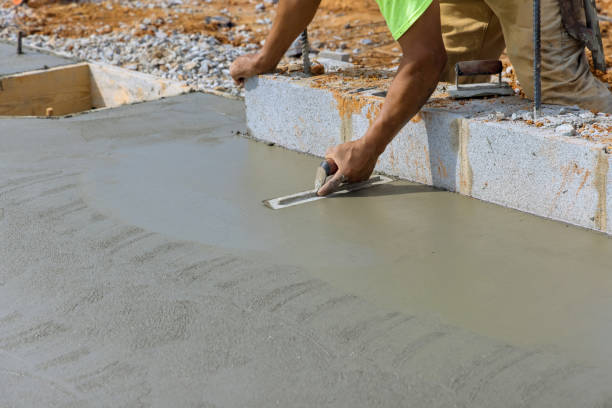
(400, 15)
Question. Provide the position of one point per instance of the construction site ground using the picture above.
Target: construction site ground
(353, 26)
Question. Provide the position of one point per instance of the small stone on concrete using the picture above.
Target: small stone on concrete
(565, 130)
(338, 56)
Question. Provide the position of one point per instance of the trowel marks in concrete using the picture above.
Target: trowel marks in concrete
(502, 273)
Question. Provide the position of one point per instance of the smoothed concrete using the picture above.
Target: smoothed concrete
(140, 268)
(455, 145)
(11, 63)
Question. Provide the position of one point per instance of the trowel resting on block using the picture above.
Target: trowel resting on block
(480, 67)
(326, 169)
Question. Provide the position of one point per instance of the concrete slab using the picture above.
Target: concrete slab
(11, 63)
(140, 268)
(459, 146)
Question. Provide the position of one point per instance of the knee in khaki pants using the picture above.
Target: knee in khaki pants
(472, 29)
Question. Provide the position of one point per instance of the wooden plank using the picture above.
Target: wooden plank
(65, 89)
(113, 86)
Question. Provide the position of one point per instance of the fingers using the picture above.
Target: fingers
(333, 167)
(332, 185)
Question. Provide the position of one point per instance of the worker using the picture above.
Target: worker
(468, 30)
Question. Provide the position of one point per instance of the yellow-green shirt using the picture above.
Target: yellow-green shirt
(400, 15)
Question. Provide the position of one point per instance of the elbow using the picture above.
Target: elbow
(441, 62)
(436, 61)
(427, 63)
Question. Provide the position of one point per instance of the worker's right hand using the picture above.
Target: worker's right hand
(247, 66)
(355, 161)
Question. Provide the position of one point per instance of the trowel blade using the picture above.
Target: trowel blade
(479, 90)
(311, 195)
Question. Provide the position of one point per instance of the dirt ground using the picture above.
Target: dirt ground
(338, 25)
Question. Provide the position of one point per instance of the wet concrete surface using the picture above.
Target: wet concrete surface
(140, 268)
(11, 63)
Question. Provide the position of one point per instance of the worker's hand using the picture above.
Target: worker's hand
(355, 161)
(247, 66)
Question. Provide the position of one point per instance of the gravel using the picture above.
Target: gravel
(199, 60)
(565, 130)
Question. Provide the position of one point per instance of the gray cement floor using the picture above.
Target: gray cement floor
(139, 268)
(11, 63)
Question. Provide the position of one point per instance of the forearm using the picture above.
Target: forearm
(292, 18)
(413, 84)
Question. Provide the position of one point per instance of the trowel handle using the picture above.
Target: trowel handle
(329, 166)
(480, 67)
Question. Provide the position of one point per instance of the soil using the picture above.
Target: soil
(338, 25)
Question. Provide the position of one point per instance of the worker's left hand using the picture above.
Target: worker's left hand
(355, 161)
(247, 66)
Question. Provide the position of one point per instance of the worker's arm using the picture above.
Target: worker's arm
(292, 18)
(423, 60)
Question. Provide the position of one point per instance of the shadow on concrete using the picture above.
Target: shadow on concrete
(391, 189)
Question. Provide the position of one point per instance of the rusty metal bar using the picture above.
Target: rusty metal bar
(305, 51)
(19, 43)
(537, 60)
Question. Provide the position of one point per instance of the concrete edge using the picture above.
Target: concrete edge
(506, 163)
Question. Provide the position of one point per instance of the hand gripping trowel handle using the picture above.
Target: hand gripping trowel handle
(325, 169)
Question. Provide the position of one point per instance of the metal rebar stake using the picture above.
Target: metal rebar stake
(537, 61)
(19, 41)
(305, 51)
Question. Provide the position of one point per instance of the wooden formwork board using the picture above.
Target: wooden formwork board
(65, 90)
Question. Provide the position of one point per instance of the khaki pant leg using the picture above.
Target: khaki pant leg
(471, 31)
(566, 78)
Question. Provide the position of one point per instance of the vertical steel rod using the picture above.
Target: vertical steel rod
(19, 41)
(537, 61)
(305, 51)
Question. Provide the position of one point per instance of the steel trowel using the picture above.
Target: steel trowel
(325, 169)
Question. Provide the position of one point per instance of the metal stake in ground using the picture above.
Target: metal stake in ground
(19, 41)
(537, 61)
(305, 51)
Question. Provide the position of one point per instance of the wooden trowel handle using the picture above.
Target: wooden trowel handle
(482, 67)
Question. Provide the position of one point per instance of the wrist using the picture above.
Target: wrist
(264, 63)
(372, 144)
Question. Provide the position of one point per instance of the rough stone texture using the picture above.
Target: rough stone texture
(458, 146)
(11, 63)
(96, 312)
(334, 55)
